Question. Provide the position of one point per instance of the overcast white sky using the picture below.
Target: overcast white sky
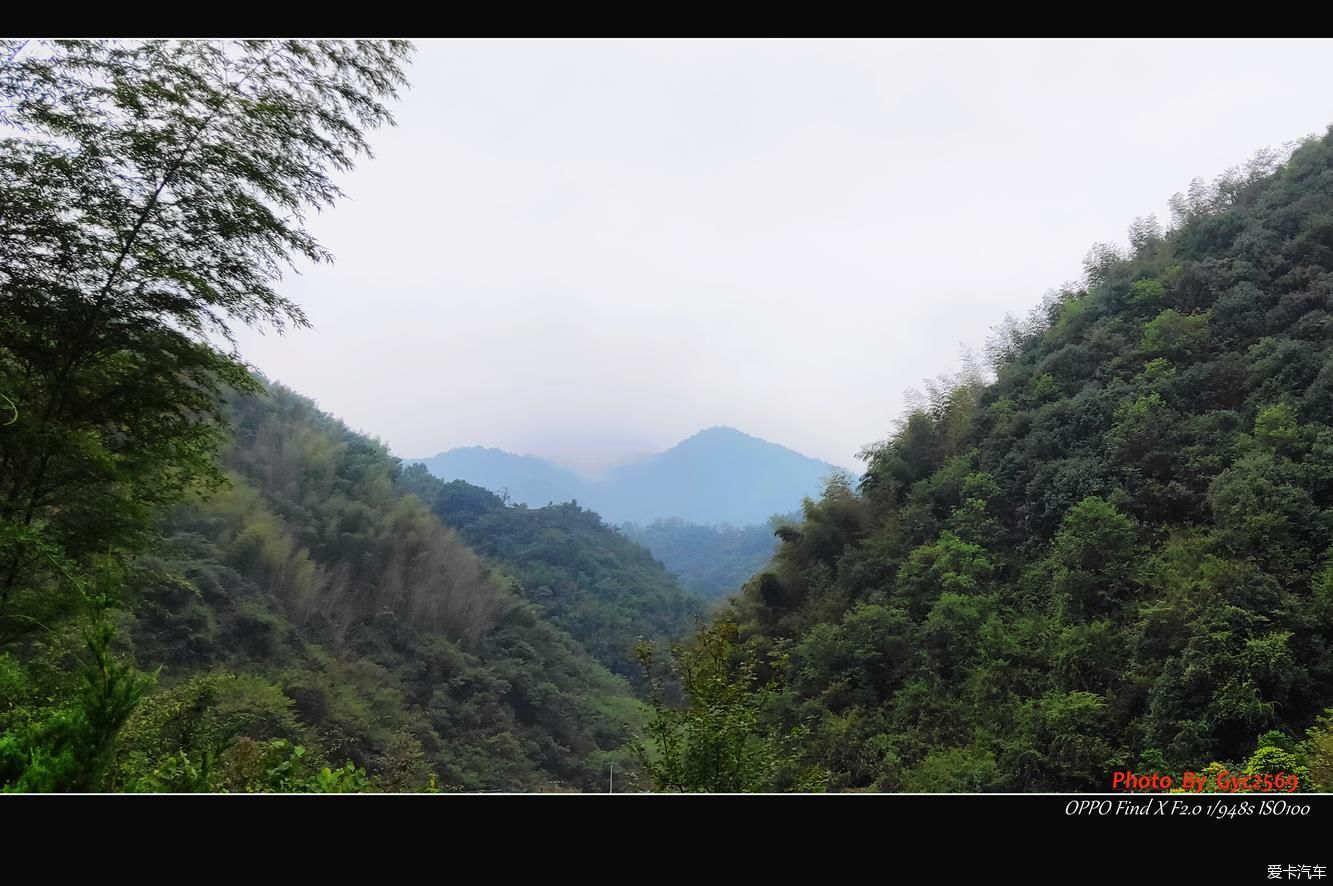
(586, 249)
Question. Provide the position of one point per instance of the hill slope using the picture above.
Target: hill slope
(1117, 554)
(601, 587)
(712, 561)
(359, 626)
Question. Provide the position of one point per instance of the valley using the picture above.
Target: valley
(1103, 545)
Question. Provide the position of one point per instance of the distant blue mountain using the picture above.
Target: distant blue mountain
(528, 480)
(719, 475)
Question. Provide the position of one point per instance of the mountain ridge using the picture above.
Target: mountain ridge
(719, 474)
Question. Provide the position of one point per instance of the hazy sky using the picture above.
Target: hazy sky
(585, 249)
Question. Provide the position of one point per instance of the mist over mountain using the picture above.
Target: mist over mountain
(526, 479)
(718, 475)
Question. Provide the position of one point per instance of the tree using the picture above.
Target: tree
(720, 742)
(69, 745)
(152, 193)
(1094, 555)
(1319, 748)
(946, 565)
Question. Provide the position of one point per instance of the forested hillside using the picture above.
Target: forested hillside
(313, 602)
(1116, 554)
(604, 589)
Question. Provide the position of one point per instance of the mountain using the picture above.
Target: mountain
(719, 475)
(1114, 553)
(523, 478)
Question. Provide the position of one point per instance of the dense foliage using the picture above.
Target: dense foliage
(1115, 555)
(604, 589)
(369, 620)
(718, 741)
(313, 605)
(712, 561)
(152, 193)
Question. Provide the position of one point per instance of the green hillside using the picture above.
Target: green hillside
(1115, 554)
(710, 560)
(601, 587)
(314, 602)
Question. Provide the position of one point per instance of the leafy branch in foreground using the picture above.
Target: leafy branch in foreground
(69, 747)
(721, 741)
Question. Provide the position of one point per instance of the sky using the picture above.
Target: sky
(589, 250)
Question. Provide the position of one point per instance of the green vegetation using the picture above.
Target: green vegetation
(272, 614)
(361, 628)
(711, 561)
(1115, 553)
(722, 740)
(313, 628)
(1118, 553)
(153, 192)
(588, 579)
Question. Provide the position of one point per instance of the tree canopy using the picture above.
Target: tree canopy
(1109, 548)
